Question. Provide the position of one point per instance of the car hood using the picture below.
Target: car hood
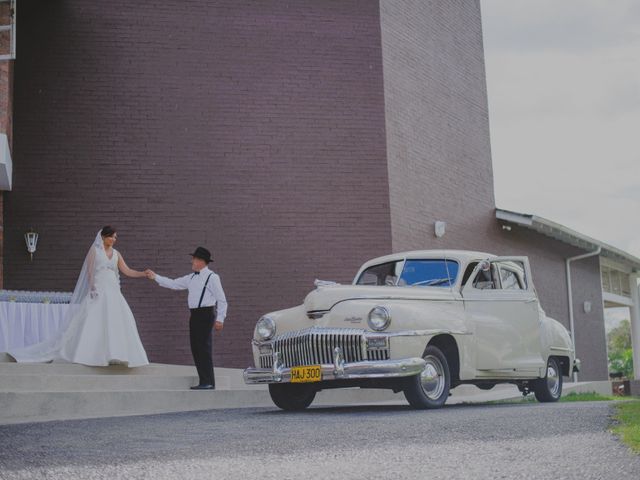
(325, 298)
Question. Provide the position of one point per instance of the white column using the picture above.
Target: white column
(635, 324)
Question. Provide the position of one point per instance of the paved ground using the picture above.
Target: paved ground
(553, 441)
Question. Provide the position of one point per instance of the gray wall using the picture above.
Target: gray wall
(439, 159)
(437, 121)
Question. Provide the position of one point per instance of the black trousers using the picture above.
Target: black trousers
(200, 326)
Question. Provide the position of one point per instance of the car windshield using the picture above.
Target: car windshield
(425, 273)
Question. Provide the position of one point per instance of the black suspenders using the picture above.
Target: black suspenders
(203, 290)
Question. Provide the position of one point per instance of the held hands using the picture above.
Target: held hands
(150, 274)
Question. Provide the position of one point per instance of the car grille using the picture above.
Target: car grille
(315, 345)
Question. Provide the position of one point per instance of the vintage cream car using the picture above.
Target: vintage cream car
(419, 322)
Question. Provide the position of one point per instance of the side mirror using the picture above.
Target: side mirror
(485, 265)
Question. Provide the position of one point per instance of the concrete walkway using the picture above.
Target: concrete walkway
(62, 391)
(509, 441)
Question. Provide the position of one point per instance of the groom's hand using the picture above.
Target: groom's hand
(218, 326)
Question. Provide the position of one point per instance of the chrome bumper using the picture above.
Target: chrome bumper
(339, 370)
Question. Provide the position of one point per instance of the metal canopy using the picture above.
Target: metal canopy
(568, 236)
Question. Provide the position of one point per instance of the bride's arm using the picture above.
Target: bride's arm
(124, 268)
(91, 273)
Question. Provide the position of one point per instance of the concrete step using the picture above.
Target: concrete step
(65, 368)
(86, 382)
(22, 407)
(61, 391)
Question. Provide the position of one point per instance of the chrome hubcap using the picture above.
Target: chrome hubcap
(432, 378)
(553, 380)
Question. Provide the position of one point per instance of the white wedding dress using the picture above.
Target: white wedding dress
(100, 328)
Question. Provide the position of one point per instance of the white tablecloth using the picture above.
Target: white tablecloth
(23, 324)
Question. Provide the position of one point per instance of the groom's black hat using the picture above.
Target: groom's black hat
(203, 254)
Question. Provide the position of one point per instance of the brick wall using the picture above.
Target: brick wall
(6, 106)
(437, 122)
(295, 139)
(255, 128)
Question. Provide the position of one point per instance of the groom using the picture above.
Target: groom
(205, 293)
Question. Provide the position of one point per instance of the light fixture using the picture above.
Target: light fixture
(440, 228)
(31, 239)
(379, 318)
(265, 329)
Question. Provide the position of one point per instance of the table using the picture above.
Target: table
(23, 324)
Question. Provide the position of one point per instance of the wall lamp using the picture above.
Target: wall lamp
(31, 239)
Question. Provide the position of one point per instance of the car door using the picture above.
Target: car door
(502, 305)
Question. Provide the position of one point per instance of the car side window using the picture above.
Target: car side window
(512, 276)
(509, 280)
(383, 274)
(486, 279)
(467, 273)
(505, 275)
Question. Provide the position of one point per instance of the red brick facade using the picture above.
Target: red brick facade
(6, 107)
(255, 128)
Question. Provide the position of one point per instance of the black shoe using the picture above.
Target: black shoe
(203, 387)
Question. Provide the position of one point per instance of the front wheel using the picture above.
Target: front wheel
(291, 397)
(549, 388)
(430, 389)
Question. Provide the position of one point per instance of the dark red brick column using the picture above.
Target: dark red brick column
(6, 103)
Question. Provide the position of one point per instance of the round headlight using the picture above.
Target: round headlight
(379, 318)
(266, 328)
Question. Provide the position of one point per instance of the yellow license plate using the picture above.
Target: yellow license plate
(308, 374)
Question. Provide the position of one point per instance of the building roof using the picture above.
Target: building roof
(567, 235)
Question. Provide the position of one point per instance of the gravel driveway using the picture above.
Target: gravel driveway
(564, 440)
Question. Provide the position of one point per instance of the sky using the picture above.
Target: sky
(563, 80)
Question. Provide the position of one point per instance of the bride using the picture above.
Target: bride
(99, 328)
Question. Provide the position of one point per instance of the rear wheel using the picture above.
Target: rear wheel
(291, 397)
(549, 388)
(430, 389)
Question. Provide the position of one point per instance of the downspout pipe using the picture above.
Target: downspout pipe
(570, 297)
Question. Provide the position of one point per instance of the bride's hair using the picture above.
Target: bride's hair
(107, 231)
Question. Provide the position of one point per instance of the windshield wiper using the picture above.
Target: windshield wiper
(435, 281)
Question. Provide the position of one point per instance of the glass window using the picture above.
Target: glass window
(383, 274)
(506, 275)
(606, 280)
(429, 273)
(509, 280)
(485, 279)
(467, 274)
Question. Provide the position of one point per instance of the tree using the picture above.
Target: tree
(620, 352)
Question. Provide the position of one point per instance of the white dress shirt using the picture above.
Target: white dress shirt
(194, 282)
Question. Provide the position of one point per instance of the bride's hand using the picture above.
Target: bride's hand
(93, 294)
